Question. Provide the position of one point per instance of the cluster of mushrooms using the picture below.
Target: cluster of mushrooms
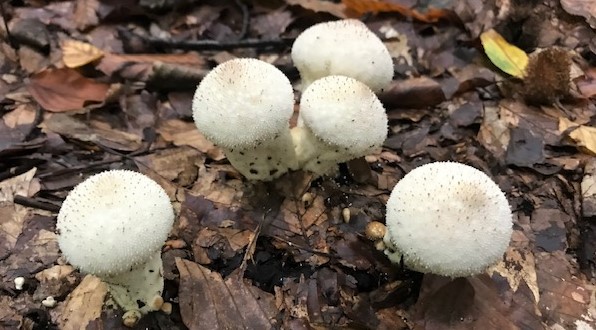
(244, 105)
(444, 218)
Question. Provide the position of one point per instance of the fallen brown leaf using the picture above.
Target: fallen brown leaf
(361, 7)
(61, 90)
(584, 8)
(335, 9)
(76, 53)
(83, 304)
(85, 13)
(183, 133)
(207, 301)
(584, 136)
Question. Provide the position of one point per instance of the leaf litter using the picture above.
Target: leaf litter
(292, 253)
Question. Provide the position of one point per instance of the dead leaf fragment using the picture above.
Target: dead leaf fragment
(517, 266)
(584, 136)
(584, 8)
(85, 13)
(335, 9)
(361, 7)
(61, 90)
(83, 304)
(504, 55)
(76, 53)
(209, 302)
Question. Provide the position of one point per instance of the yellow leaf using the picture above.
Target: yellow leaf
(584, 136)
(77, 53)
(504, 55)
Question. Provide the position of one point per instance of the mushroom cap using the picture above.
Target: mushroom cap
(113, 221)
(449, 219)
(345, 47)
(345, 113)
(242, 102)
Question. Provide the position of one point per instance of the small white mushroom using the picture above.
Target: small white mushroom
(49, 302)
(344, 47)
(244, 106)
(19, 282)
(340, 119)
(113, 225)
(449, 219)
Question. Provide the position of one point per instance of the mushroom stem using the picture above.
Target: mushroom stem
(340, 119)
(316, 155)
(139, 287)
(266, 160)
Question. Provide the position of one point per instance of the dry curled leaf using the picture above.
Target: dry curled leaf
(61, 90)
(76, 53)
(504, 55)
(584, 136)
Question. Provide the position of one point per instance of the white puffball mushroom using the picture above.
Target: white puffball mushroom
(449, 219)
(345, 47)
(113, 225)
(340, 119)
(244, 106)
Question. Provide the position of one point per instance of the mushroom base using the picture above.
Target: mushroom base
(267, 160)
(317, 156)
(140, 288)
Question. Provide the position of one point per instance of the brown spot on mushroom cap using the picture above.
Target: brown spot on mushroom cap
(449, 219)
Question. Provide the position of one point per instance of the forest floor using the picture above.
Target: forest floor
(90, 85)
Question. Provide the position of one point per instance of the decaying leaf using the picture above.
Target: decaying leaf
(584, 136)
(518, 266)
(184, 133)
(207, 301)
(588, 187)
(83, 304)
(504, 55)
(76, 53)
(85, 13)
(335, 9)
(24, 184)
(584, 8)
(61, 90)
(361, 7)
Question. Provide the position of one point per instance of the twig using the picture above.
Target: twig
(34, 203)
(11, 40)
(211, 44)
(245, 18)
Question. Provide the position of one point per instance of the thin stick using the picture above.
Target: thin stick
(211, 44)
(11, 40)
